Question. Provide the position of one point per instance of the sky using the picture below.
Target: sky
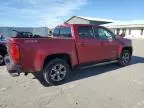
(49, 13)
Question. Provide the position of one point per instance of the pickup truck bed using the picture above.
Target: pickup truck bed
(33, 52)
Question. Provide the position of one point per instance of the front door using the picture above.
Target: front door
(88, 47)
(109, 43)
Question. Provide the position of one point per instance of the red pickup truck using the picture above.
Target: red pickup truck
(71, 46)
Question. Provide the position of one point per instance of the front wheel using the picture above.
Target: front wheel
(125, 58)
(56, 72)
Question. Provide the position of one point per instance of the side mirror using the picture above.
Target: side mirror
(122, 35)
(110, 39)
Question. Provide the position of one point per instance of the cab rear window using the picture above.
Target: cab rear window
(86, 32)
(62, 32)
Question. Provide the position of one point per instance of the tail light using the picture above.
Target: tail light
(15, 52)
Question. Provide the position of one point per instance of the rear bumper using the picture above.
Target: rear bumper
(13, 69)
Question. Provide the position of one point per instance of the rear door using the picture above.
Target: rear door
(88, 47)
(109, 44)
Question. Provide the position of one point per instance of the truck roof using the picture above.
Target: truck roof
(69, 25)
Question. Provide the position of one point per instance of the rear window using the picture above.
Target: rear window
(66, 32)
(62, 32)
(85, 32)
(56, 32)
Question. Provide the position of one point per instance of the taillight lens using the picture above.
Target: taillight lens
(15, 52)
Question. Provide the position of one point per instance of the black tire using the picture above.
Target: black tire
(52, 67)
(125, 58)
(1, 59)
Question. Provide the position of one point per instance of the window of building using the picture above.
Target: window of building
(117, 31)
(129, 31)
(124, 30)
(86, 32)
(141, 32)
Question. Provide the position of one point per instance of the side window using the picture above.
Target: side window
(56, 32)
(65, 32)
(104, 34)
(85, 32)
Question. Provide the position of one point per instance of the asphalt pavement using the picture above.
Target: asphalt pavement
(108, 86)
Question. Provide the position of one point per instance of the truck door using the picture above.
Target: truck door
(109, 44)
(88, 47)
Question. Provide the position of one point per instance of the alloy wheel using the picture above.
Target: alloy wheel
(58, 72)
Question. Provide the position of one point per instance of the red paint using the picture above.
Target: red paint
(31, 52)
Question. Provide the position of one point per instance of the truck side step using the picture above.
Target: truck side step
(98, 64)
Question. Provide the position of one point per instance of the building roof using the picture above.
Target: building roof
(96, 19)
(126, 24)
(90, 20)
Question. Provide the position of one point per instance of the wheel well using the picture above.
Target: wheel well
(128, 48)
(65, 57)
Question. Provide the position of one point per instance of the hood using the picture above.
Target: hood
(124, 41)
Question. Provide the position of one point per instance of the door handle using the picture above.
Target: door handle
(86, 43)
(81, 43)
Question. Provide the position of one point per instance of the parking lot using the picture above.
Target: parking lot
(108, 86)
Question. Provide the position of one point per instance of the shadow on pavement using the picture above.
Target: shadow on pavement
(92, 71)
(136, 60)
(39, 77)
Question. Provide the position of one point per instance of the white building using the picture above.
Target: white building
(87, 20)
(131, 30)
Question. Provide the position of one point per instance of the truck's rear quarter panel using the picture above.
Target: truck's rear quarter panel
(34, 51)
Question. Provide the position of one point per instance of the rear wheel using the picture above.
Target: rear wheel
(56, 72)
(1, 59)
(125, 58)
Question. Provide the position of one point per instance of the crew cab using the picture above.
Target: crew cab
(71, 46)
